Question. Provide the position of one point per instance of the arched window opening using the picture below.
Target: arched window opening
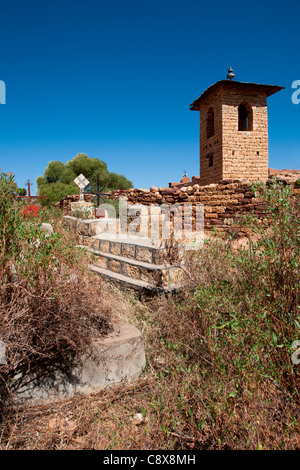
(210, 123)
(245, 117)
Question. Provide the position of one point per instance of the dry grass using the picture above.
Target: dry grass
(175, 406)
(104, 420)
(98, 421)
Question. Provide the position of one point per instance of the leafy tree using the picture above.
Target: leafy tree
(54, 192)
(54, 171)
(21, 191)
(58, 179)
(68, 176)
(88, 166)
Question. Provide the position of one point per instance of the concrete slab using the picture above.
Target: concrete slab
(131, 240)
(117, 358)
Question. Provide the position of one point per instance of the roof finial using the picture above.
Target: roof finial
(230, 75)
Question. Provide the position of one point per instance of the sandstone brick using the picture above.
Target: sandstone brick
(101, 262)
(130, 270)
(93, 228)
(82, 228)
(144, 254)
(220, 209)
(176, 275)
(114, 265)
(104, 246)
(115, 248)
(128, 250)
(152, 276)
(88, 241)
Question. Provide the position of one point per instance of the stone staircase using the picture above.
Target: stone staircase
(135, 262)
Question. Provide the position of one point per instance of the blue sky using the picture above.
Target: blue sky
(115, 79)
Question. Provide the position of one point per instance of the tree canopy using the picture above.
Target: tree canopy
(58, 178)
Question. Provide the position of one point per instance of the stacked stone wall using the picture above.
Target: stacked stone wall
(224, 203)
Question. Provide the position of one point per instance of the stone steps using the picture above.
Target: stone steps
(139, 249)
(138, 263)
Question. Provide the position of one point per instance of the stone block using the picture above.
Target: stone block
(114, 265)
(152, 276)
(104, 246)
(101, 262)
(130, 270)
(94, 228)
(144, 254)
(128, 250)
(82, 228)
(115, 248)
(88, 241)
(176, 275)
(158, 256)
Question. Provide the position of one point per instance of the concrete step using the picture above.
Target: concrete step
(139, 249)
(142, 287)
(135, 262)
(118, 357)
(91, 227)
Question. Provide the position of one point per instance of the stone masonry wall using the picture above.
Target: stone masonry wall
(245, 153)
(211, 145)
(65, 203)
(224, 203)
(230, 153)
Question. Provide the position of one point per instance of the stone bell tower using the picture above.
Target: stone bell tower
(234, 130)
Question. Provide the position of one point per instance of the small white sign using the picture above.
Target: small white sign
(81, 182)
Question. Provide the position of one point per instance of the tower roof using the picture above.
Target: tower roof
(261, 88)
